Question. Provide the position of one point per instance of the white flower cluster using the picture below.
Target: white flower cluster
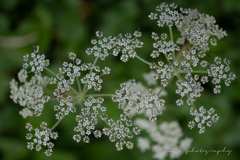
(128, 96)
(166, 139)
(30, 95)
(200, 31)
(41, 137)
(197, 29)
(182, 63)
(116, 44)
(138, 95)
(25, 112)
(202, 119)
(117, 130)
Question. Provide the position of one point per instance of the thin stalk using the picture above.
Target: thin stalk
(79, 85)
(143, 60)
(146, 62)
(99, 95)
(55, 125)
(50, 71)
(171, 35)
(194, 72)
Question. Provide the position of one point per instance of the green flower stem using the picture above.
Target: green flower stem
(81, 104)
(192, 47)
(75, 100)
(171, 35)
(143, 60)
(50, 71)
(99, 95)
(194, 72)
(104, 121)
(79, 85)
(55, 125)
(146, 62)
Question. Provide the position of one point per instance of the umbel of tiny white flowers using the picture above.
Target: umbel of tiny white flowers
(163, 139)
(200, 31)
(185, 63)
(31, 96)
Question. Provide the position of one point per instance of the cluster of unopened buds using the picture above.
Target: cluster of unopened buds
(182, 60)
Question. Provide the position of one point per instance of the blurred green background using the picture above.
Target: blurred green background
(59, 26)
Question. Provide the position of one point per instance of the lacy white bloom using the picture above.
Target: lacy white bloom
(185, 144)
(139, 99)
(175, 153)
(143, 144)
(22, 75)
(34, 86)
(149, 78)
(171, 63)
(14, 90)
(26, 112)
(159, 152)
(166, 138)
(203, 117)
